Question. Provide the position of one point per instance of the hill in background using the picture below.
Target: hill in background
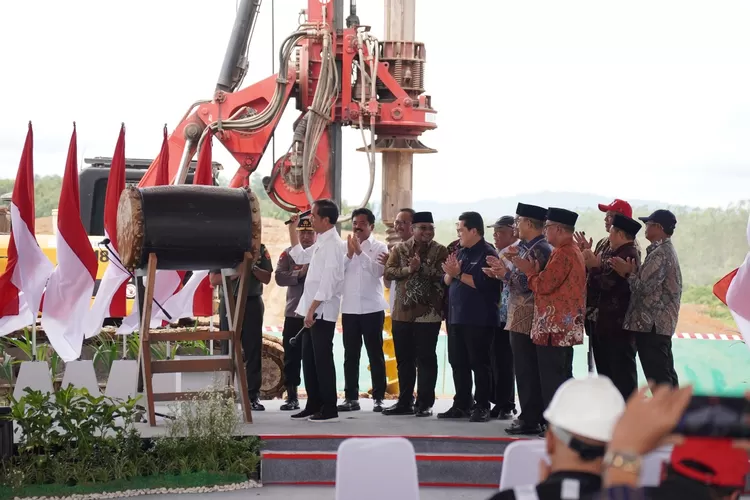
(506, 205)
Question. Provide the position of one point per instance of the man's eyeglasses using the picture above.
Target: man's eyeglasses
(424, 227)
(402, 223)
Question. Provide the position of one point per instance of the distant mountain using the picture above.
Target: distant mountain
(506, 205)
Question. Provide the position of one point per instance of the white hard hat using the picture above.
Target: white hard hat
(589, 407)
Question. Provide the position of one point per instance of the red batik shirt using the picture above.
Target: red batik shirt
(560, 298)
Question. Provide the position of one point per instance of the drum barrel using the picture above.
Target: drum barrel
(188, 227)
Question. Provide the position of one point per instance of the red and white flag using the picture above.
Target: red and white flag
(67, 297)
(110, 297)
(22, 283)
(196, 297)
(167, 281)
(734, 290)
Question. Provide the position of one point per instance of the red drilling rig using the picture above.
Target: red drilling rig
(339, 76)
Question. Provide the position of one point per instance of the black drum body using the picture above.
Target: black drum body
(188, 227)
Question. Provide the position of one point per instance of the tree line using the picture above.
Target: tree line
(710, 242)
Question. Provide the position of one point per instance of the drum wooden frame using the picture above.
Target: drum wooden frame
(232, 363)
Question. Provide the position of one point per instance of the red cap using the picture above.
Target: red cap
(619, 206)
(729, 465)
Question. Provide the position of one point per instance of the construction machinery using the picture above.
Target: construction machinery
(339, 74)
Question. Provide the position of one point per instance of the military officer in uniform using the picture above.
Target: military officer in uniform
(292, 275)
(576, 441)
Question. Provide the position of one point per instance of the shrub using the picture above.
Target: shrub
(75, 438)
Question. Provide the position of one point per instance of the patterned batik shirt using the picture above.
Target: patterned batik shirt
(502, 308)
(656, 290)
(560, 298)
(604, 252)
(419, 295)
(521, 299)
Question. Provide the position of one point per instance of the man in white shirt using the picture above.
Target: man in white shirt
(363, 310)
(320, 304)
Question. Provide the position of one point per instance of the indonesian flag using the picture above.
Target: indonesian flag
(67, 297)
(734, 290)
(110, 297)
(196, 297)
(22, 283)
(167, 282)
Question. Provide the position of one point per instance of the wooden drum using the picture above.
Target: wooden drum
(188, 227)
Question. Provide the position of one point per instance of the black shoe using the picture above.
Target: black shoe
(454, 412)
(324, 417)
(519, 427)
(423, 412)
(378, 407)
(501, 414)
(255, 405)
(304, 414)
(291, 404)
(399, 409)
(479, 414)
(349, 405)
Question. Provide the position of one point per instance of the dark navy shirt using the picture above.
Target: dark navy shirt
(474, 306)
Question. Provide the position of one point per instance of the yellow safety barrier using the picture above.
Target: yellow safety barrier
(391, 370)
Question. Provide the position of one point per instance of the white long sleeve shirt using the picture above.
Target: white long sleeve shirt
(363, 279)
(325, 276)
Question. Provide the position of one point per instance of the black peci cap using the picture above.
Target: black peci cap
(630, 226)
(562, 216)
(420, 217)
(531, 211)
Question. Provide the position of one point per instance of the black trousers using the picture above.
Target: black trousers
(292, 353)
(614, 353)
(503, 392)
(540, 370)
(318, 367)
(415, 345)
(370, 328)
(252, 343)
(469, 352)
(655, 353)
(555, 367)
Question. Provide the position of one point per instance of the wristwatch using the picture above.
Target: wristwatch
(625, 461)
(458, 276)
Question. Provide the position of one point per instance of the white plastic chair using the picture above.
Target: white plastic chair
(652, 466)
(521, 464)
(362, 463)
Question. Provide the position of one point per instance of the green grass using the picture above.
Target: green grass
(192, 480)
(703, 295)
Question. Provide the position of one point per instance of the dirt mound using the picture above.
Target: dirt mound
(44, 225)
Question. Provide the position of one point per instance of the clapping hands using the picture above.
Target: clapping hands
(452, 266)
(623, 267)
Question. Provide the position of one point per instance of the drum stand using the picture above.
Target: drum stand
(232, 363)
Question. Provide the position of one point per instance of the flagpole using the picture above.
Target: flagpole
(33, 340)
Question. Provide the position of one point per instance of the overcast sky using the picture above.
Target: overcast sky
(639, 99)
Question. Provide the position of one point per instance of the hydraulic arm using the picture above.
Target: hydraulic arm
(341, 76)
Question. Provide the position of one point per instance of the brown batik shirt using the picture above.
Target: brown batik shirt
(419, 295)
